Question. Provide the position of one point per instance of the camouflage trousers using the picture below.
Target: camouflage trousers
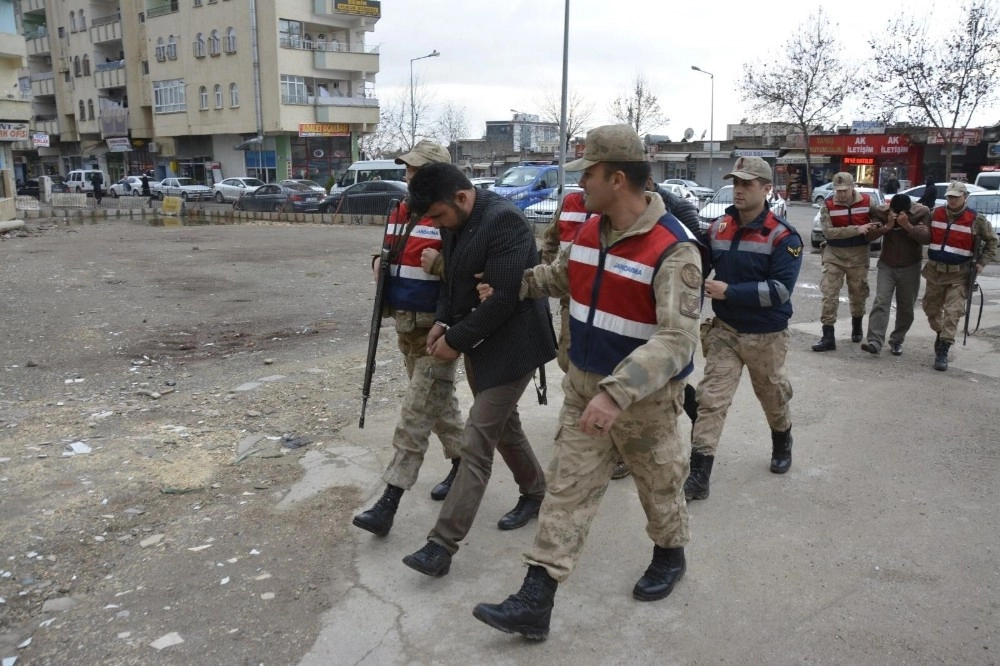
(763, 354)
(562, 355)
(840, 263)
(944, 300)
(430, 405)
(645, 436)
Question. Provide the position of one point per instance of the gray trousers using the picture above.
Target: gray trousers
(905, 282)
(493, 425)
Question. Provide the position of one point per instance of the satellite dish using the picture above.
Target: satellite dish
(688, 133)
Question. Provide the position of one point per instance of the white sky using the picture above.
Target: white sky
(497, 56)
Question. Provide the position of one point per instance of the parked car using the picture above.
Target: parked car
(529, 183)
(231, 189)
(483, 183)
(366, 170)
(81, 180)
(29, 188)
(716, 207)
(988, 204)
(131, 186)
(185, 188)
(817, 236)
(916, 192)
(989, 180)
(778, 205)
(371, 197)
(821, 192)
(311, 184)
(280, 198)
(542, 212)
(700, 191)
(682, 192)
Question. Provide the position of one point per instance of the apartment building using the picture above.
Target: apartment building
(15, 104)
(201, 88)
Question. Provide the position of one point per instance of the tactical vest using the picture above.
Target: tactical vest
(410, 287)
(612, 305)
(951, 242)
(571, 217)
(853, 215)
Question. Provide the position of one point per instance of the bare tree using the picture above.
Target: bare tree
(378, 143)
(804, 84)
(579, 111)
(451, 126)
(639, 107)
(940, 82)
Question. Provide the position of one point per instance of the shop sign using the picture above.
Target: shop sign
(868, 126)
(859, 161)
(968, 137)
(40, 140)
(14, 132)
(312, 130)
(754, 153)
(372, 8)
(120, 144)
(860, 144)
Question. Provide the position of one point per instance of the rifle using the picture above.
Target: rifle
(970, 289)
(376, 324)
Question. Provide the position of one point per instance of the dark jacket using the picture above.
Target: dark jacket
(685, 211)
(503, 338)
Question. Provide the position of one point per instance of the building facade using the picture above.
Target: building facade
(15, 104)
(206, 89)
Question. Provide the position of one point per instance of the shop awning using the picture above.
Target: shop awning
(481, 165)
(250, 144)
(799, 157)
(672, 157)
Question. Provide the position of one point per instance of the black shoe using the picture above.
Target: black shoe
(941, 357)
(662, 574)
(378, 519)
(440, 491)
(827, 342)
(896, 348)
(431, 560)
(871, 347)
(781, 451)
(856, 333)
(696, 485)
(620, 471)
(528, 612)
(525, 509)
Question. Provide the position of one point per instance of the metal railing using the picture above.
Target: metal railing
(105, 20)
(325, 45)
(107, 66)
(163, 10)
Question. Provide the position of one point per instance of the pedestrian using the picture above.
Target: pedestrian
(756, 257)
(504, 340)
(904, 232)
(957, 233)
(97, 181)
(633, 275)
(929, 197)
(145, 186)
(429, 404)
(891, 185)
(846, 217)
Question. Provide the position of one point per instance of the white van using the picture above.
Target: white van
(989, 180)
(359, 172)
(79, 180)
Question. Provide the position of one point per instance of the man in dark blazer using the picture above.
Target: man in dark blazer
(504, 340)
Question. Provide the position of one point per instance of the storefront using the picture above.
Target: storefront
(320, 151)
(790, 174)
(870, 158)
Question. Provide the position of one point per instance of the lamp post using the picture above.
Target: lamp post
(711, 128)
(413, 111)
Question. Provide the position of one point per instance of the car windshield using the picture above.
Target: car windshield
(724, 196)
(689, 183)
(252, 182)
(519, 176)
(186, 181)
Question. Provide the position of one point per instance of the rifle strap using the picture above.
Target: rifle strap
(541, 389)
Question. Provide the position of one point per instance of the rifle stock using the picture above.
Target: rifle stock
(379, 305)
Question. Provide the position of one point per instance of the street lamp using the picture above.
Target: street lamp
(413, 111)
(711, 128)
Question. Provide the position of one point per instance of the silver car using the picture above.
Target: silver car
(542, 212)
(232, 189)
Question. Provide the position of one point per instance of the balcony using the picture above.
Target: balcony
(12, 45)
(14, 106)
(50, 126)
(43, 84)
(161, 7)
(33, 6)
(110, 75)
(38, 43)
(348, 61)
(106, 29)
(346, 109)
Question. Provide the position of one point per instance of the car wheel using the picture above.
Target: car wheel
(114, 193)
(277, 207)
(819, 200)
(219, 198)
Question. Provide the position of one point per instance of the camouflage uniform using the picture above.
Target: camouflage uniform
(841, 262)
(644, 384)
(550, 249)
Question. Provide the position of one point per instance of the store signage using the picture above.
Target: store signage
(868, 126)
(371, 8)
(324, 129)
(40, 140)
(969, 137)
(863, 144)
(14, 132)
(858, 160)
(740, 152)
(120, 144)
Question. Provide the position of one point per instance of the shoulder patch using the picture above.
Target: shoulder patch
(691, 304)
(794, 251)
(691, 276)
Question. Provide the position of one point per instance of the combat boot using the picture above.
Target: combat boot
(856, 333)
(941, 356)
(528, 612)
(440, 491)
(696, 485)
(662, 574)
(378, 519)
(827, 342)
(781, 451)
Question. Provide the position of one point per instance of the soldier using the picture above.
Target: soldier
(955, 232)
(430, 404)
(905, 230)
(846, 218)
(633, 276)
(756, 257)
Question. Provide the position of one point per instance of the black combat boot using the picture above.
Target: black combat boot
(662, 574)
(440, 491)
(525, 509)
(856, 333)
(431, 560)
(781, 451)
(941, 355)
(937, 342)
(378, 519)
(528, 612)
(827, 342)
(696, 485)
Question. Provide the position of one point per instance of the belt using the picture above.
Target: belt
(718, 323)
(950, 268)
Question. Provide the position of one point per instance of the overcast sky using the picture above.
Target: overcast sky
(497, 56)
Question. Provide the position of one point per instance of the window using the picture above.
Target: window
(172, 47)
(161, 50)
(203, 97)
(169, 96)
(290, 33)
(83, 21)
(86, 65)
(83, 111)
(218, 96)
(145, 68)
(199, 46)
(214, 44)
(62, 31)
(197, 3)
(230, 40)
(293, 89)
(234, 95)
(76, 66)
(90, 109)
(72, 21)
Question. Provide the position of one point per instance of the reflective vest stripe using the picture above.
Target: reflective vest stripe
(951, 243)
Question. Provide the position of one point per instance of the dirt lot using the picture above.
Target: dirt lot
(190, 368)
